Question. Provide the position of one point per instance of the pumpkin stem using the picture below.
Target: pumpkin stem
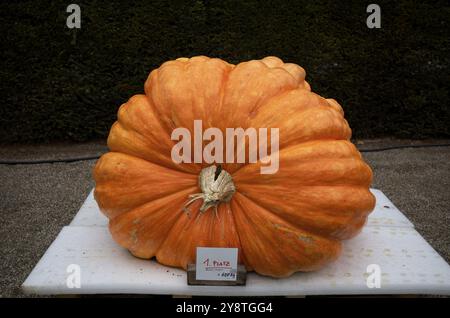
(217, 186)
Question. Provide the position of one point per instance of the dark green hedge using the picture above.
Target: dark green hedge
(58, 84)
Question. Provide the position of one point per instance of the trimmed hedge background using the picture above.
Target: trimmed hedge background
(62, 84)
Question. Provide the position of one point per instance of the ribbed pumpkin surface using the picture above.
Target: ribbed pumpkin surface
(292, 220)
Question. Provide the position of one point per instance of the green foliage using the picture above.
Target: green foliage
(61, 84)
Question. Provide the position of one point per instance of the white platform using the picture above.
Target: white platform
(409, 265)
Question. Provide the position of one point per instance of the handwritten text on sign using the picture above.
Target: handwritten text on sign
(216, 263)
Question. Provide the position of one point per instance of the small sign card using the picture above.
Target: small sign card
(216, 264)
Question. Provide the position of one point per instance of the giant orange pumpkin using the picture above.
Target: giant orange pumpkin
(292, 220)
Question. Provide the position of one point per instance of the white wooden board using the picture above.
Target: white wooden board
(408, 266)
(384, 214)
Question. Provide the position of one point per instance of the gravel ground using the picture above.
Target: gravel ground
(36, 201)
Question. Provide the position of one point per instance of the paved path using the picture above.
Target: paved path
(36, 201)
